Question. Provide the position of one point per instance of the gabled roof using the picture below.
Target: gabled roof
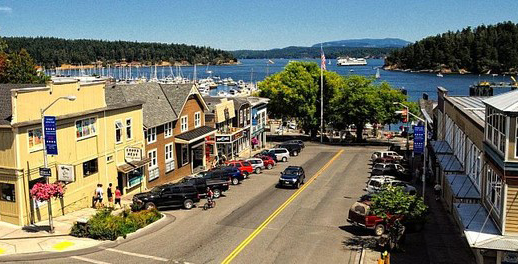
(506, 102)
(177, 94)
(156, 108)
(5, 100)
(472, 106)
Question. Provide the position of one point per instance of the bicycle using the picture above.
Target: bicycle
(209, 204)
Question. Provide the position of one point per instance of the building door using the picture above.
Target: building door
(120, 181)
(198, 158)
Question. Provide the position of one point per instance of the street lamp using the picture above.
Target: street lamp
(45, 163)
(425, 141)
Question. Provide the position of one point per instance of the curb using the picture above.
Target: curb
(45, 255)
(20, 238)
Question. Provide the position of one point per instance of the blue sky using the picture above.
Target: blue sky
(243, 24)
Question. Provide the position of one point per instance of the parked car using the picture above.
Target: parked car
(268, 161)
(168, 195)
(257, 164)
(407, 187)
(360, 215)
(296, 141)
(281, 153)
(293, 148)
(244, 166)
(375, 184)
(267, 153)
(388, 169)
(379, 154)
(231, 174)
(292, 176)
(201, 184)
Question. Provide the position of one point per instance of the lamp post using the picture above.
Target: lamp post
(425, 142)
(45, 162)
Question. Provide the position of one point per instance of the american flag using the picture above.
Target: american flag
(323, 58)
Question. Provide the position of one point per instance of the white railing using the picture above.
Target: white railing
(169, 166)
(154, 173)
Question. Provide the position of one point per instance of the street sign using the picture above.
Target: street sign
(51, 143)
(66, 173)
(419, 139)
(45, 172)
(132, 154)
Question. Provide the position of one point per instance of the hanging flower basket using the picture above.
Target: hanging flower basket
(43, 191)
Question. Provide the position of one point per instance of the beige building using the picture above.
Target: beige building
(96, 144)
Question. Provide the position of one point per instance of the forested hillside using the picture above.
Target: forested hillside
(484, 49)
(311, 52)
(51, 52)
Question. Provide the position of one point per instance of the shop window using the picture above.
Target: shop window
(90, 167)
(184, 126)
(7, 192)
(169, 158)
(85, 128)
(134, 177)
(129, 132)
(118, 131)
(168, 130)
(185, 154)
(35, 139)
(197, 119)
(151, 135)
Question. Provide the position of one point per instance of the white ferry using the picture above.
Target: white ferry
(351, 61)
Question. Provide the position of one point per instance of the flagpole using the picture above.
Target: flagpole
(321, 98)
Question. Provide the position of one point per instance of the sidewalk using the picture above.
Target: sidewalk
(36, 238)
(439, 242)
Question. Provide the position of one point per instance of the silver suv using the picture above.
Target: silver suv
(257, 164)
(281, 153)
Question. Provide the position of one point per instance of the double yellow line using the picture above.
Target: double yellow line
(270, 218)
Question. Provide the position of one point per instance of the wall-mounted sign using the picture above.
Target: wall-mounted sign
(51, 143)
(45, 172)
(237, 136)
(66, 173)
(132, 154)
(223, 139)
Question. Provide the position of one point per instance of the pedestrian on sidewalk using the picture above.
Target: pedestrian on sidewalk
(99, 196)
(437, 190)
(118, 196)
(109, 193)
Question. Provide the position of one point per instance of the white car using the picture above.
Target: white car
(257, 164)
(376, 183)
(379, 154)
(281, 153)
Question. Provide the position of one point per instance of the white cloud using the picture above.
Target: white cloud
(6, 9)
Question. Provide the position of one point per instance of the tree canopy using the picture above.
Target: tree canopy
(394, 201)
(486, 48)
(18, 67)
(312, 52)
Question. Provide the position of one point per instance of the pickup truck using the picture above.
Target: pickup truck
(360, 215)
(201, 184)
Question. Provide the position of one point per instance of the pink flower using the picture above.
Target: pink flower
(44, 191)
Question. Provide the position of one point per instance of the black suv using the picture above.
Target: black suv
(293, 148)
(295, 141)
(167, 195)
(226, 173)
(292, 176)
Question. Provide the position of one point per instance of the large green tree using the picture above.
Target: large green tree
(18, 67)
(394, 201)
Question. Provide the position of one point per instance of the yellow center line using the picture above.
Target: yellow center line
(270, 218)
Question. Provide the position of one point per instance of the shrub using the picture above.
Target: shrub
(106, 226)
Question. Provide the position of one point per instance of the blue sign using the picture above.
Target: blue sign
(418, 139)
(254, 117)
(51, 143)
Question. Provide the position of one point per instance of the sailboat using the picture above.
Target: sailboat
(378, 73)
(270, 62)
(440, 75)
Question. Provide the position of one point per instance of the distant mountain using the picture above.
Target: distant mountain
(312, 52)
(366, 43)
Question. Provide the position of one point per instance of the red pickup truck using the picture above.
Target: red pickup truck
(268, 161)
(244, 166)
(360, 215)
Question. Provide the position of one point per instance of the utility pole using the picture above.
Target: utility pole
(322, 65)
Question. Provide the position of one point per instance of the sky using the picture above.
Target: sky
(244, 24)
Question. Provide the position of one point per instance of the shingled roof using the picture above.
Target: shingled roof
(177, 94)
(156, 109)
(5, 100)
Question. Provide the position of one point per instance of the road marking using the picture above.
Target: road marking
(2, 251)
(270, 218)
(89, 260)
(137, 255)
(63, 245)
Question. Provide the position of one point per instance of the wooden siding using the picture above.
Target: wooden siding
(7, 149)
(511, 217)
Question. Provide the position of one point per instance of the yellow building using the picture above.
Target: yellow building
(96, 144)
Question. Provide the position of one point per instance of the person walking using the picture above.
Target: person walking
(99, 196)
(109, 193)
(437, 190)
(118, 195)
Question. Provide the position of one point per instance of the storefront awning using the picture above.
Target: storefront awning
(449, 163)
(504, 243)
(129, 166)
(195, 135)
(441, 147)
(462, 187)
(478, 227)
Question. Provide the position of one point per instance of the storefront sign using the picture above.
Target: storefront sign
(419, 139)
(132, 154)
(237, 136)
(223, 139)
(66, 173)
(51, 143)
(45, 172)
(254, 117)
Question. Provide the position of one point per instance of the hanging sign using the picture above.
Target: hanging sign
(51, 143)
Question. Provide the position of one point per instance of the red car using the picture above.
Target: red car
(268, 161)
(360, 215)
(244, 166)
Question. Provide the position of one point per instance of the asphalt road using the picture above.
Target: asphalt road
(312, 228)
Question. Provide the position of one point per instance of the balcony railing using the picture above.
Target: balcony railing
(169, 166)
(154, 173)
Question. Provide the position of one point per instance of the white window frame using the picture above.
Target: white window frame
(169, 157)
(120, 129)
(92, 126)
(130, 127)
(494, 183)
(153, 164)
(168, 130)
(197, 119)
(151, 135)
(34, 147)
(184, 123)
